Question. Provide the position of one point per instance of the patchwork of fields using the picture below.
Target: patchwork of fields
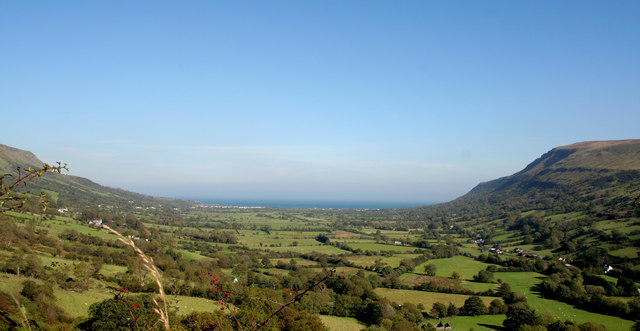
(282, 242)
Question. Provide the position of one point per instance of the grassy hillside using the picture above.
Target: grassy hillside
(603, 172)
(65, 190)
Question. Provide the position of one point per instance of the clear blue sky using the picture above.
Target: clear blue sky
(356, 100)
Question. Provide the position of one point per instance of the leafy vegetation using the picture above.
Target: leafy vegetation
(554, 246)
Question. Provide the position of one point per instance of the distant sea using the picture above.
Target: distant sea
(319, 204)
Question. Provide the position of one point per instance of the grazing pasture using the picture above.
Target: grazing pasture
(335, 323)
(426, 298)
(465, 266)
(524, 283)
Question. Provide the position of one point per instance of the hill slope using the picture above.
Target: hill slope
(598, 178)
(572, 164)
(72, 191)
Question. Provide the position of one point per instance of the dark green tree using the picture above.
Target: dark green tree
(626, 286)
(484, 276)
(411, 313)
(519, 314)
(430, 269)
(497, 307)
(452, 310)
(474, 306)
(439, 310)
(123, 313)
(205, 321)
(372, 313)
(36, 292)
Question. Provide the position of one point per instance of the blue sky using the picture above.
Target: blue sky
(356, 100)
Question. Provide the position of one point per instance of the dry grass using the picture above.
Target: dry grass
(151, 267)
(22, 312)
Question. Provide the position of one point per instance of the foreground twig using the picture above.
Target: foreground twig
(7, 195)
(22, 311)
(297, 297)
(151, 267)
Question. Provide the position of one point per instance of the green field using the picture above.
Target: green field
(523, 283)
(425, 298)
(186, 305)
(82, 228)
(364, 260)
(191, 256)
(335, 323)
(107, 269)
(381, 247)
(465, 266)
(478, 287)
(299, 262)
(19, 215)
(630, 252)
(77, 303)
(324, 249)
(11, 282)
(394, 260)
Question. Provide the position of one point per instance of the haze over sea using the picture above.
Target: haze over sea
(320, 204)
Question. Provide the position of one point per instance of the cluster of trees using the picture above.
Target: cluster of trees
(473, 306)
(136, 313)
(382, 315)
(592, 292)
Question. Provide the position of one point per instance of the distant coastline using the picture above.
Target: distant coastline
(313, 204)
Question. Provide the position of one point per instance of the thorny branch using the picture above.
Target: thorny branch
(25, 175)
(329, 274)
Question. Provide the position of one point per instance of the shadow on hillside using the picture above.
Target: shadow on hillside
(535, 289)
(493, 327)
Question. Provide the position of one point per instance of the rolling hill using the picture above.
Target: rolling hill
(65, 190)
(599, 178)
